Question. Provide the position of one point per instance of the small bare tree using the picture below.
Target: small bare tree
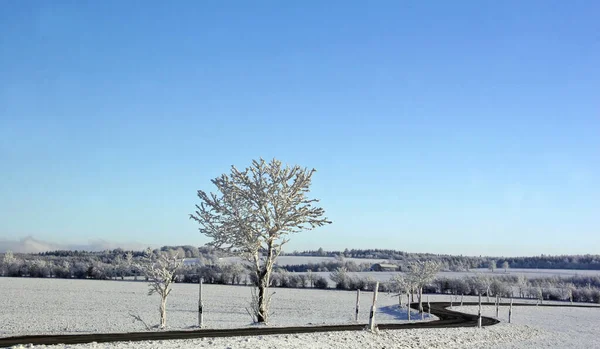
(310, 278)
(257, 211)
(7, 261)
(160, 271)
(522, 283)
(505, 266)
(492, 265)
(421, 273)
(402, 284)
(483, 283)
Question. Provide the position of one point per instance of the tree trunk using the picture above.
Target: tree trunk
(163, 312)
(263, 287)
(261, 317)
(420, 290)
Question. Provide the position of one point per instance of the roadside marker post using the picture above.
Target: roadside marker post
(357, 304)
(200, 306)
(479, 317)
(373, 308)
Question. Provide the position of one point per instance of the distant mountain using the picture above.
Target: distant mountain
(31, 245)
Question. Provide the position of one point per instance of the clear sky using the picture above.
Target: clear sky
(462, 127)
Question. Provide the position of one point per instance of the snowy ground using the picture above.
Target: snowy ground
(52, 306)
(455, 338)
(68, 306)
(555, 327)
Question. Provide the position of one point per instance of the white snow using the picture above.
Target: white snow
(558, 327)
(52, 306)
(455, 338)
(68, 306)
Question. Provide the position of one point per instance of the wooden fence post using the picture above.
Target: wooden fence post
(357, 304)
(200, 303)
(400, 300)
(428, 307)
(497, 306)
(372, 315)
(461, 299)
(510, 311)
(408, 306)
(479, 317)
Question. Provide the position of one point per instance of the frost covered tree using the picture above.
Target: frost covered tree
(482, 284)
(7, 261)
(402, 284)
(255, 212)
(505, 266)
(421, 273)
(8, 257)
(492, 265)
(341, 278)
(160, 271)
(522, 284)
(13, 266)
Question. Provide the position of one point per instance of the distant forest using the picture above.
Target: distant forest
(118, 263)
(461, 263)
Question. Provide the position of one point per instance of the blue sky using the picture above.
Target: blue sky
(464, 127)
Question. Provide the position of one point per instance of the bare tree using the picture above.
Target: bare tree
(483, 283)
(310, 278)
(522, 284)
(160, 271)
(492, 265)
(402, 284)
(341, 278)
(505, 266)
(421, 273)
(257, 211)
(7, 261)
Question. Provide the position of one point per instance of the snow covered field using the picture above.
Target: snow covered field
(53, 306)
(555, 327)
(36, 306)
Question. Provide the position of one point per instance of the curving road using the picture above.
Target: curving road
(447, 318)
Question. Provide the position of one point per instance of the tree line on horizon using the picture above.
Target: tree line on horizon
(464, 263)
(117, 265)
(448, 262)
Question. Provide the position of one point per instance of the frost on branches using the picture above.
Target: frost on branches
(254, 213)
(421, 273)
(160, 272)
